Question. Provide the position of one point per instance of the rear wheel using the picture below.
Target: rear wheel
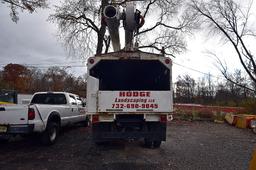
(254, 130)
(157, 144)
(152, 144)
(49, 136)
(148, 143)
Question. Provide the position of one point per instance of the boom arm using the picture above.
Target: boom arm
(132, 21)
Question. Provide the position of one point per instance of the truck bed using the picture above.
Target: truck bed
(13, 114)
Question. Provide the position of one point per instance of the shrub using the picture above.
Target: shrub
(249, 105)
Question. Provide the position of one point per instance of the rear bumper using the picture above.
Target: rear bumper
(107, 131)
(19, 129)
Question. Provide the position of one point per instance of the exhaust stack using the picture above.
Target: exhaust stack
(112, 18)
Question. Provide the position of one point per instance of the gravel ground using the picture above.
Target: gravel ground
(190, 145)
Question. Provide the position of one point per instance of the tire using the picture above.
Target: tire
(50, 135)
(86, 122)
(152, 144)
(157, 144)
(254, 130)
(148, 143)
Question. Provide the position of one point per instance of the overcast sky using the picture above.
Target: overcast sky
(33, 41)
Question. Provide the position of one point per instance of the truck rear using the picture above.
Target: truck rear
(129, 96)
(13, 116)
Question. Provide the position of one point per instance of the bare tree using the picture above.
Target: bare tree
(23, 5)
(83, 30)
(185, 89)
(231, 19)
(80, 25)
(55, 76)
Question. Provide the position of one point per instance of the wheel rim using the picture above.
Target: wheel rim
(53, 134)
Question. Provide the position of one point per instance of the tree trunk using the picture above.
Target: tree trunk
(101, 39)
(102, 30)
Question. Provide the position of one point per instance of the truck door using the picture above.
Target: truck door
(81, 109)
(74, 112)
(60, 101)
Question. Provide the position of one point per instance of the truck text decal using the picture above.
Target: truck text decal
(134, 100)
(134, 94)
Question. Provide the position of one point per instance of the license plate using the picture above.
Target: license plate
(3, 129)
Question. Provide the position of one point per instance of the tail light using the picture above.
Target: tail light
(167, 61)
(95, 118)
(31, 114)
(91, 60)
(163, 118)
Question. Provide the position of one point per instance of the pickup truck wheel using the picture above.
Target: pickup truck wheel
(86, 123)
(49, 136)
(254, 130)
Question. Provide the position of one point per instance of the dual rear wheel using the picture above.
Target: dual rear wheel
(152, 143)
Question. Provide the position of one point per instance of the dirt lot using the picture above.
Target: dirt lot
(190, 145)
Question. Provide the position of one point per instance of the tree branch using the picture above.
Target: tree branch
(15, 4)
(227, 36)
(148, 7)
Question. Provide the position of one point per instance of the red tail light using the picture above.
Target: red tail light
(31, 114)
(95, 118)
(167, 61)
(91, 60)
(163, 118)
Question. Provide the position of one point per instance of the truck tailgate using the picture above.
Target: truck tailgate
(13, 114)
(134, 101)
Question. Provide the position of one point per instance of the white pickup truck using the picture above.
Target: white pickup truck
(46, 113)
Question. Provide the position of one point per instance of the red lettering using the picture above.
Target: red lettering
(142, 94)
(129, 94)
(134, 94)
(121, 94)
(148, 94)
